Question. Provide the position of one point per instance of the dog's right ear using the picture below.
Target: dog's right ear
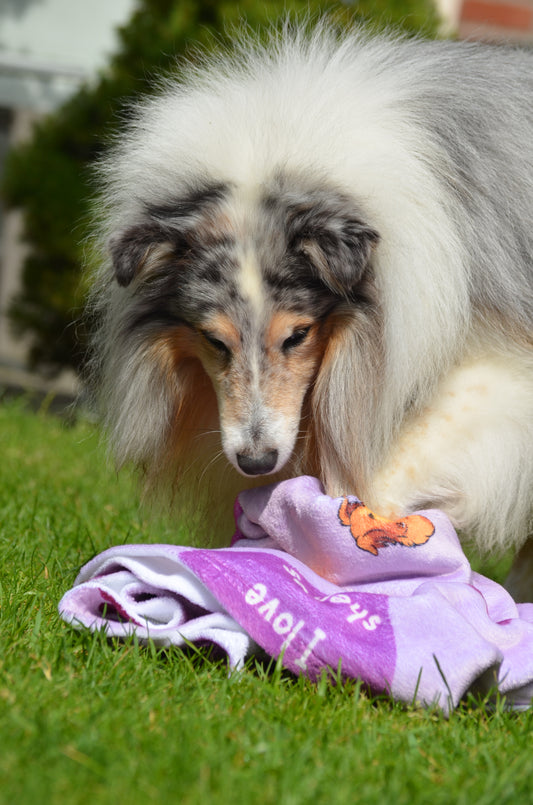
(133, 248)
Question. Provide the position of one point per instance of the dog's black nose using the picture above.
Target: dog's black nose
(258, 466)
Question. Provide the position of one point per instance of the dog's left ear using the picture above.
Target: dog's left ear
(337, 242)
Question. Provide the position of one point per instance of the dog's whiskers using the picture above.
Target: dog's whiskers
(213, 460)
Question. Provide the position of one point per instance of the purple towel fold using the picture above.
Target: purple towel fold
(323, 583)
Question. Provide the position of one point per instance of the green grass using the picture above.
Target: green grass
(86, 721)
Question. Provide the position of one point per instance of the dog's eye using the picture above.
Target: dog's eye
(295, 339)
(217, 344)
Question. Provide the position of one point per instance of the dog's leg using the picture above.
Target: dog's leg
(470, 453)
(519, 582)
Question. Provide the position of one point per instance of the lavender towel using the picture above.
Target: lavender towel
(323, 583)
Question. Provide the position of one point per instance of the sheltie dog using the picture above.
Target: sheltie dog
(319, 260)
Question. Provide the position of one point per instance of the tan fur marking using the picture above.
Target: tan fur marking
(192, 430)
(223, 328)
(291, 374)
(214, 227)
(173, 347)
(289, 380)
(282, 325)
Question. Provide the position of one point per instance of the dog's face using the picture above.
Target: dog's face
(261, 367)
(250, 287)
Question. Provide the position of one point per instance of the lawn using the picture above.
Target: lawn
(85, 721)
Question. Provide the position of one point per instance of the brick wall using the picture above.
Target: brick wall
(497, 20)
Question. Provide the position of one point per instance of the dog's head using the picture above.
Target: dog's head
(250, 285)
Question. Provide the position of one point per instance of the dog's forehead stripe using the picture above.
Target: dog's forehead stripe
(250, 280)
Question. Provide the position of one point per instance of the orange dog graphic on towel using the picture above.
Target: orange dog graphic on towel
(371, 532)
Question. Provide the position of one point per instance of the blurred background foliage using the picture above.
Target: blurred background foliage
(49, 176)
